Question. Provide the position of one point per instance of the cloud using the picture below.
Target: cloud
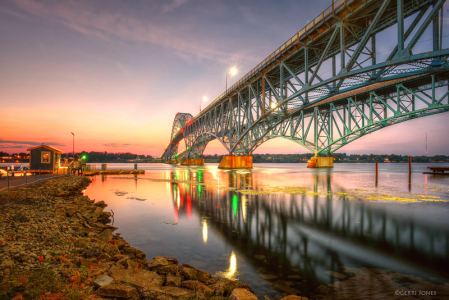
(109, 25)
(174, 4)
(21, 144)
(116, 145)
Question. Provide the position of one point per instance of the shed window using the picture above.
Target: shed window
(45, 157)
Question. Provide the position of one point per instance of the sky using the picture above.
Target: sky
(115, 73)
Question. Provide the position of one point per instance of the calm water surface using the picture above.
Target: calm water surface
(285, 229)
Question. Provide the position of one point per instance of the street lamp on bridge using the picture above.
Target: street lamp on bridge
(203, 99)
(231, 71)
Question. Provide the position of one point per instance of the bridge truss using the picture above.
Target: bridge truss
(331, 84)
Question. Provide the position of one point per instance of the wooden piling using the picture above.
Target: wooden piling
(409, 172)
(377, 172)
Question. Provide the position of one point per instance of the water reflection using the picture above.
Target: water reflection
(314, 235)
(231, 273)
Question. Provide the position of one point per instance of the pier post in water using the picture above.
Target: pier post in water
(409, 171)
(377, 172)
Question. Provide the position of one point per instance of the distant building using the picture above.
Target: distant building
(45, 159)
(386, 160)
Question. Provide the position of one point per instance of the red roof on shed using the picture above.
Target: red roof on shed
(48, 147)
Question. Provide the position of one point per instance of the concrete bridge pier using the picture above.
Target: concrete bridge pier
(236, 162)
(321, 162)
(192, 162)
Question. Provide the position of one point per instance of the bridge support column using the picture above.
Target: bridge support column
(236, 162)
(192, 162)
(321, 162)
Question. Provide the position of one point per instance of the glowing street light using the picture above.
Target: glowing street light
(203, 99)
(231, 71)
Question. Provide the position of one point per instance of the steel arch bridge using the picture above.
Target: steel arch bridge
(330, 84)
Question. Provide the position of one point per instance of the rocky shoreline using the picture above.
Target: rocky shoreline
(56, 243)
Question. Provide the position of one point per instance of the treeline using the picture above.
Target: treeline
(109, 157)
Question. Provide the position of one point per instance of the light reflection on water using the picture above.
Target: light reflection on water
(317, 224)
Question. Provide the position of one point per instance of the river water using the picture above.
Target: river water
(285, 229)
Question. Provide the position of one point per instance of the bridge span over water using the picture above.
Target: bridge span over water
(331, 83)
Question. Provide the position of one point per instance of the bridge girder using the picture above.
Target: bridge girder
(292, 94)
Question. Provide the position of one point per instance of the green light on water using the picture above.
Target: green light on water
(235, 204)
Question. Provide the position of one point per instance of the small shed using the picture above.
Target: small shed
(44, 158)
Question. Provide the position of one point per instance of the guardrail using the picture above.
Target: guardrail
(282, 49)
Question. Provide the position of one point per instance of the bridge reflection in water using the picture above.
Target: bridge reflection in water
(311, 235)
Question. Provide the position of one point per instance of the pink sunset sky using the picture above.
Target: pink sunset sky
(116, 72)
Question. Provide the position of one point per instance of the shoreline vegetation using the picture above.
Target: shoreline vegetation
(105, 157)
(55, 243)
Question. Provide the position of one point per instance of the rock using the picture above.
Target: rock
(70, 211)
(119, 257)
(136, 252)
(286, 288)
(189, 273)
(100, 204)
(103, 280)
(198, 287)
(168, 269)
(4, 287)
(117, 290)
(293, 297)
(98, 211)
(259, 257)
(242, 294)
(142, 278)
(116, 267)
(173, 280)
(203, 276)
(336, 274)
(173, 260)
(7, 263)
(121, 243)
(105, 236)
(158, 261)
(268, 276)
(86, 262)
(294, 277)
(111, 249)
(224, 287)
(92, 252)
(212, 281)
(61, 212)
(82, 243)
(168, 292)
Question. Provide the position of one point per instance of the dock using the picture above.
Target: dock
(438, 171)
(112, 172)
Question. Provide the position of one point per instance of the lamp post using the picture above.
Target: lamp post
(232, 71)
(203, 99)
(73, 146)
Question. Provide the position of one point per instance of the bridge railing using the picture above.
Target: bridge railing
(336, 4)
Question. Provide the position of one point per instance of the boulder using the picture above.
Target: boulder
(139, 254)
(189, 273)
(198, 287)
(168, 269)
(105, 236)
(142, 278)
(70, 211)
(61, 212)
(111, 249)
(293, 297)
(117, 290)
(86, 262)
(203, 276)
(173, 280)
(100, 204)
(82, 243)
(168, 292)
(91, 252)
(224, 287)
(103, 280)
(242, 294)
(158, 261)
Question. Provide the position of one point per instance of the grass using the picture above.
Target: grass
(44, 284)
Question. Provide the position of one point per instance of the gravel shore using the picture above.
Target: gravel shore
(56, 243)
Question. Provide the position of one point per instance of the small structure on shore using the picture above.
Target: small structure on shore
(44, 159)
